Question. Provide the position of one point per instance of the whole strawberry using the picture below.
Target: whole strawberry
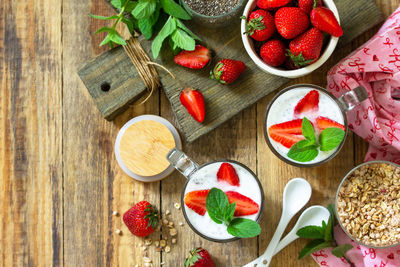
(141, 219)
(199, 257)
(306, 48)
(261, 25)
(227, 70)
(308, 5)
(291, 22)
(273, 52)
(271, 4)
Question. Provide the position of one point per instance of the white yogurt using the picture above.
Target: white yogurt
(282, 110)
(206, 178)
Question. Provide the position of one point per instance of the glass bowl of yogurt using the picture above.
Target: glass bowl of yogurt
(285, 114)
(203, 178)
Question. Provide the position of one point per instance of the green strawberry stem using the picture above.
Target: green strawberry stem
(299, 61)
(152, 216)
(217, 72)
(253, 24)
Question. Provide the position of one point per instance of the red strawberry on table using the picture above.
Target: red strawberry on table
(141, 219)
(306, 48)
(286, 133)
(308, 5)
(273, 52)
(228, 174)
(308, 103)
(270, 4)
(193, 101)
(227, 71)
(291, 22)
(323, 19)
(244, 205)
(196, 59)
(196, 201)
(324, 122)
(199, 257)
(261, 25)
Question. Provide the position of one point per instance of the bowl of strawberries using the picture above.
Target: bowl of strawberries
(290, 38)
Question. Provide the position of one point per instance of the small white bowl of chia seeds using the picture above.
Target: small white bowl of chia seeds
(214, 13)
(250, 46)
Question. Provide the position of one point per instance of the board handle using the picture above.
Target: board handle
(182, 162)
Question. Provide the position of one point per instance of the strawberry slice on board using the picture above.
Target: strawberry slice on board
(324, 122)
(196, 201)
(193, 101)
(228, 174)
(286, 133)
(244, 205)
(196, 59)
(308, 103)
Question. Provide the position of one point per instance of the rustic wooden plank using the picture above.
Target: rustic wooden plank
(94, 185)
(30, 133)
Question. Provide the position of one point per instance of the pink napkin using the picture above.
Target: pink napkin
(376, 66)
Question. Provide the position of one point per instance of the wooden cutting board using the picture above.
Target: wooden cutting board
(113, 71)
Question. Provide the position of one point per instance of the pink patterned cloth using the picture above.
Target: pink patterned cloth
(376, 66)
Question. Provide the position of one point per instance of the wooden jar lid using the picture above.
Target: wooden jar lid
(142, 146)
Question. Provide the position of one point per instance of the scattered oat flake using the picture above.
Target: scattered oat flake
(118, 231)
(167, 249)
(177, 206)
(115, 213)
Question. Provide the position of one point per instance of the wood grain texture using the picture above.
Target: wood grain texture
(31, 196)
(60, 181)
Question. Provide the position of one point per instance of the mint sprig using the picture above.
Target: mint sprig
(323, 238)
(307, 149)
(221, 212)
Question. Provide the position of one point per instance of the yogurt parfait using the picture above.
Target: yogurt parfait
(226, 179)
(304, 125)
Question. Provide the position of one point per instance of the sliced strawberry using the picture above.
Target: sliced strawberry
(193, 101)
(228, 174)
(196, 59)
(286, 133)
(324, 122)
(196, 201)
(244, 205)
(309, 102)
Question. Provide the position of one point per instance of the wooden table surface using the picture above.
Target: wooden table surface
(59, 178)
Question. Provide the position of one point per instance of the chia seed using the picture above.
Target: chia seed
(212, 7)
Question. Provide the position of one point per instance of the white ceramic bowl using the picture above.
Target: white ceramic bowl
(249, 46)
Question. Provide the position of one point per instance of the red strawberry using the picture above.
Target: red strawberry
(227, 71)
(291, 22)
(193, 101)
(196, 200)
(306, 48)
(286, 133)
(270, 4)
(324, 122)
(261, 25)
(309, 102)
(141, 219)
(196, 59)
(308, 5)
(199, 257)
(228, 174)
(323, 19)
(273, 52)
(244, 205)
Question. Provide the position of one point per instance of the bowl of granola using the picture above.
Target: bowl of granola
(368, 204)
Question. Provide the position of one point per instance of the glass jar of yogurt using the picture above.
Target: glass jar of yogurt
(204, 177)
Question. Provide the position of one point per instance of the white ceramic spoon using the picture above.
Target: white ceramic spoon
(296, 194)
(313, 215)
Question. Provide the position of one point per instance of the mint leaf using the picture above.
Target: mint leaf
(116, 38)
(108, 41)
(130, 23)
(340, 251)
(172, 8)
(229, 211)
(311, 232)
(103, 18)
(244, 228)
(314, 246)
(186, 29)
(146, 25)
(330, 138)
(144, 9)
(183, 40)
(130, 6)
(118, 3)
(302, 151)
(216, 203)
(308, 130)
(168, 29)
(104, 29)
